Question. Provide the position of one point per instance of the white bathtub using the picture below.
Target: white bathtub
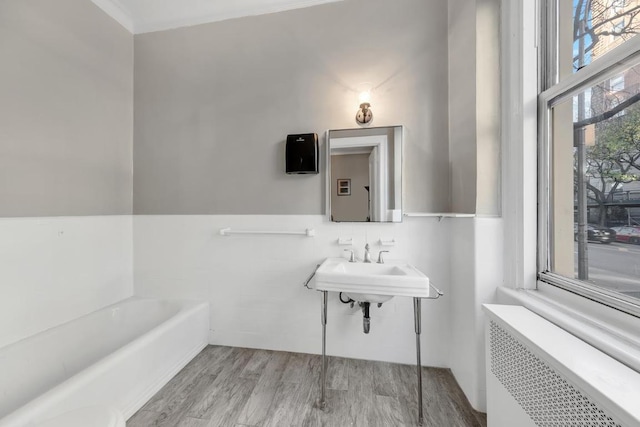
(118, 356)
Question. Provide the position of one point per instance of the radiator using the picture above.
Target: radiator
(540, 375)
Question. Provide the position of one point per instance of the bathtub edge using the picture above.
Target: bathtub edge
(154, 388)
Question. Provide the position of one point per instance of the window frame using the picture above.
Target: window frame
(607, 66)
(616, 83)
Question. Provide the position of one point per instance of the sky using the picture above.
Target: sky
(576, 44)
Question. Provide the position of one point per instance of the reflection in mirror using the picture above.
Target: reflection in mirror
(365, 174)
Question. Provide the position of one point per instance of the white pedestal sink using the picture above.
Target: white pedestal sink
(373, 283)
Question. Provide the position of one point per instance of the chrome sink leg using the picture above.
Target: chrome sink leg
(323, 403)
(417, 312)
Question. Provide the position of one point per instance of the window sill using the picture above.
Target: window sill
(609, 330)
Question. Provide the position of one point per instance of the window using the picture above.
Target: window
(617, 7)
(617, 83)
(618, 29)
(598, 26)
(589, 237)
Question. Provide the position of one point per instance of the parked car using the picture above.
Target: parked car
(627, 234)
(596, 233)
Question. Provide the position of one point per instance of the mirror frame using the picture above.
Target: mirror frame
(398, 163)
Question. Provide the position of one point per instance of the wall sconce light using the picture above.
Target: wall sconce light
(364, 114)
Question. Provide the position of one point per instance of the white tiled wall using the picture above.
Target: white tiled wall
(476, 271)
(55, 269)
(254, 282)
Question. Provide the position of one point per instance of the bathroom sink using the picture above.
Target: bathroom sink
(372, 282)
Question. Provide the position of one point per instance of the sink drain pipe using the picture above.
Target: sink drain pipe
(365, 306)
(366, 321)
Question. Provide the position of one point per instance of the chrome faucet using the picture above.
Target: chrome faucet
(367, 255)
(352, 258)
(380, 259)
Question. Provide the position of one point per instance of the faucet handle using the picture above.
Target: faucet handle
(352, 258)
(380, 260)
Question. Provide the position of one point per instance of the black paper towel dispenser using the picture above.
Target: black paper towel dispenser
(301, 153)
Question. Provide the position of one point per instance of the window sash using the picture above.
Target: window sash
(607, 66)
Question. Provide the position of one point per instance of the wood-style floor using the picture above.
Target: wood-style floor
(228, 386)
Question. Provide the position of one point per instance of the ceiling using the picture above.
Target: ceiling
(144, 16)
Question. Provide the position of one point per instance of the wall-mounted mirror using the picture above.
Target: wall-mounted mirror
(365, 174)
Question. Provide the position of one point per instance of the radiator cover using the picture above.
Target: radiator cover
(540, 375)
(545, 395)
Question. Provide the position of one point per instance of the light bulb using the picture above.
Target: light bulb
(365, 97)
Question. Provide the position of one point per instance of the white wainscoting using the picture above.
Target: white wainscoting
(55, 269)
(254, 283)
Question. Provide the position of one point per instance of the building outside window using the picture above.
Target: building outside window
(590, 151)
(616, 84)
(617, 6)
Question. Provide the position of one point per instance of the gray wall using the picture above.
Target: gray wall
(462, 105)
(488, 177)
(474, 106)
(214, 103)
(66, 110)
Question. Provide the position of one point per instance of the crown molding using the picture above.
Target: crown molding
(163, 19)
(116, 10)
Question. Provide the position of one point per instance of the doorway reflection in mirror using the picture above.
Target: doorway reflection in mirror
(370, 160)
